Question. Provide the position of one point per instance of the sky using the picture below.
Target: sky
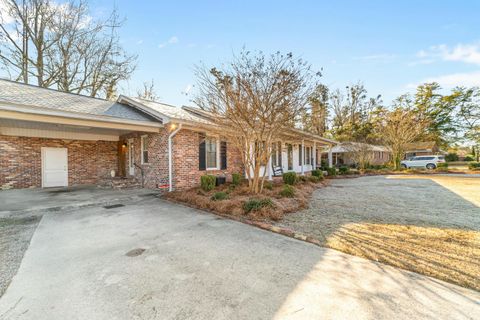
(391, 46)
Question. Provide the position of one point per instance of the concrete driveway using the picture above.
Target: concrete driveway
(80, 265)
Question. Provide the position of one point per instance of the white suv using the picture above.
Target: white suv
(429, 162)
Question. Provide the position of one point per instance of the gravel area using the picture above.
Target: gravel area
(15, 235)
(426, 224)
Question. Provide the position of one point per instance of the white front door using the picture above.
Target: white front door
(54, 167)
(131, 158)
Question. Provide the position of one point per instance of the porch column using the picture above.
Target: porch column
(330, 158)
(270, 163)
(303, 156)
(314, 164)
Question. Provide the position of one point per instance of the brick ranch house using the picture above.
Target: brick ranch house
(54, 139)
(342, 154)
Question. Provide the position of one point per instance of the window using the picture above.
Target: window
(211, 153)
(308, 155)
(144, 148)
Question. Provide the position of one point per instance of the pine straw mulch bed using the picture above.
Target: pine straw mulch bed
(238, 195)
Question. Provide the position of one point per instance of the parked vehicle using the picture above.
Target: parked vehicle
(428, 162)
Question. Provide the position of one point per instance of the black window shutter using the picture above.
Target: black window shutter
(300, 154)
(223, 155)
(201, 152)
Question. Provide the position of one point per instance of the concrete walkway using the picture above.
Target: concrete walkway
(89, 264)
(14, 203)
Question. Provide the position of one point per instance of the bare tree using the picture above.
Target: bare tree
(400, 126)
(315, 118)
(61, 45)
(352, 113)
(148, 92)
(361, 153)
(25, 37)
(254, 99)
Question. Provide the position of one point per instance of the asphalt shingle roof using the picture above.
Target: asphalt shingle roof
(171, 111)
(19, 93)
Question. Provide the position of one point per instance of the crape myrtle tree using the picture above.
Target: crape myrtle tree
(361, 153)
(254, 99)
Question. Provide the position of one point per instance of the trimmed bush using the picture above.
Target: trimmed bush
(302, 178)
(219, 196)
(343, 170)
(268, 185)
(254, 204)
(289, 178)
(288, 191)
(207, 182)
(468, 158)
(442, 165)
(474, 166)
(236, 179)
(314, 179)
(317, 173)
(331, 171)
(452, 156)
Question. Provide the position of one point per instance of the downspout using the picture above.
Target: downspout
(170, 162)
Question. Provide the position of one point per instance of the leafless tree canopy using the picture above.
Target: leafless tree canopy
(361, 153)
(148, 91)
(315, 117)
(62, 46)
(400, 126)
(254, 99)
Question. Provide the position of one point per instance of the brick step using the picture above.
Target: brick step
(122, 183)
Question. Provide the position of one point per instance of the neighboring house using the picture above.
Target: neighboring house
(50, 138)
(343, 153)
(422, 149)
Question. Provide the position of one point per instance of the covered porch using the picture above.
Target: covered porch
(300, 152)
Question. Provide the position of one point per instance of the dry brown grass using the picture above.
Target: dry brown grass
(447, 254)
(233, 206)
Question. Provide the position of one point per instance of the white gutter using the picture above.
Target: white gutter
(170, 162)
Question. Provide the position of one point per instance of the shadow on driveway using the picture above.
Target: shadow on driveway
(157, 260)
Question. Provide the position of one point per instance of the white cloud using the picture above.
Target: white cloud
(172, 40)
(467, 53)
(139, 42)
(467, 79)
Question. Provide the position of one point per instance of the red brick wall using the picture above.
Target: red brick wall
(21, 163)
(185, 159)
(186, 172)
(90, 162)
(156, 170)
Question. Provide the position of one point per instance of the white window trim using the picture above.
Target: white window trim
(217, 146)
(142, 149)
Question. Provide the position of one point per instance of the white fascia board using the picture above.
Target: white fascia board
(74, 115)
